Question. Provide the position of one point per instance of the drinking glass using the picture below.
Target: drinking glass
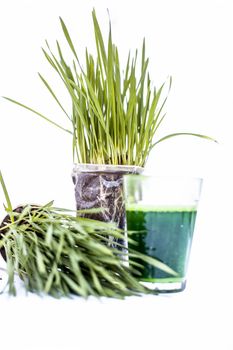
(161, 214)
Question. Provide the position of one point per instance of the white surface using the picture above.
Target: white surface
(194, 319)
(190, 40)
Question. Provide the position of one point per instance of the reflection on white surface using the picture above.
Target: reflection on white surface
(198, 318)
(182, 321)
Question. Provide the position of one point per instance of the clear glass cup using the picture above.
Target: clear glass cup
(101, 186)
(161, 213)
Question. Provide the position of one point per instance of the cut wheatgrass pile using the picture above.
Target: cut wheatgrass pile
(115, 110)
(60, 254)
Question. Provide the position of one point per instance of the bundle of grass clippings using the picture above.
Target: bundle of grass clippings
(56, 253)
(59, 254)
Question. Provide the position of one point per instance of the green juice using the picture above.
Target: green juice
(165, 234)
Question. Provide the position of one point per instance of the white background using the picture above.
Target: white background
(192, 42)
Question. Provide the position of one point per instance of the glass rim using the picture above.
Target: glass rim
(88, 167)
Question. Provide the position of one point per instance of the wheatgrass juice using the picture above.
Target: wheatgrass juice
(165, 233)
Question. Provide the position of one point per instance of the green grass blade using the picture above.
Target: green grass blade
(99, 41)
(7, 197)
(39, 114)
(68, 38)
(156, 263)
(183, 134)
(53, 94)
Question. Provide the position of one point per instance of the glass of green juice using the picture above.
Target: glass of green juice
(160, 214)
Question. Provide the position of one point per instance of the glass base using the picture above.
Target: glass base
(163, 286)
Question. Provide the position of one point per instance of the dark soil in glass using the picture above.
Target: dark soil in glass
(103, 189)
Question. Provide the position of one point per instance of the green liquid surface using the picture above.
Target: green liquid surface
(164, 233)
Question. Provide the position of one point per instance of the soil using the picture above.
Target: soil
(101, 190)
